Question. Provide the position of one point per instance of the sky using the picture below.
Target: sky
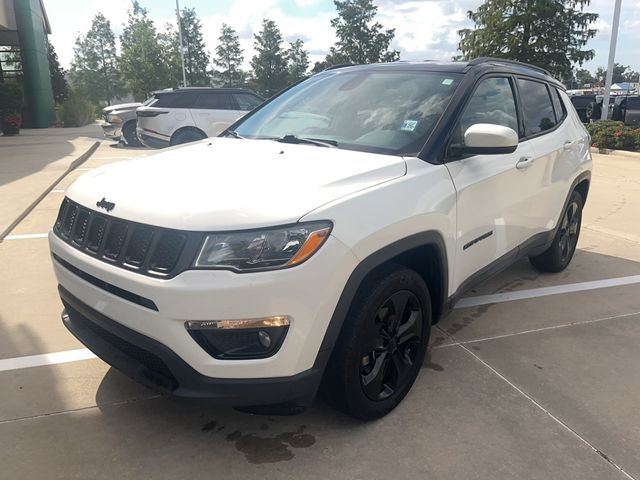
(425, 29)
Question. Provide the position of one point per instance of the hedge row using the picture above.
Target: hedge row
(614, 135)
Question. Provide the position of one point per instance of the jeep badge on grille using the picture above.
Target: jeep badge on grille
(108, 206)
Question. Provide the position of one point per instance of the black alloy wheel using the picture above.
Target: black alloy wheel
(569, 232)
(382, 345)
(559, 254)
(394, 340)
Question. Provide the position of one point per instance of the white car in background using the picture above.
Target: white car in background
(184, 115)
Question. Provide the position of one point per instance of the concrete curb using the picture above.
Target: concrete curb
(75, 164)
(621, 153)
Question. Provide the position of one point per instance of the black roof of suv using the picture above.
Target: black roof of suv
(202, 89)
(479, 65)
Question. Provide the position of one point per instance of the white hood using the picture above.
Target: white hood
(122, 106)
(227, 184)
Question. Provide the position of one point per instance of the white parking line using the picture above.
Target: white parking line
(45, 359)
(26, 236)
(545, 291)
(56, 191)
(85, 354)
(535, 330)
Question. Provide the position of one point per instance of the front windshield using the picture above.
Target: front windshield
(384, 111)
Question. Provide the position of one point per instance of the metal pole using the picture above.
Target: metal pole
(612, 56)
(184, 73)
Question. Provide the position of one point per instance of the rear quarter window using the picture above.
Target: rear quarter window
(558, 104)
(246, 101)
(538, 110)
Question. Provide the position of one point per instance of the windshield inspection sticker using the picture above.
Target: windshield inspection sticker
(409, 125)
(447, 81)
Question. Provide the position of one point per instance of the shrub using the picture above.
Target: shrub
(77, 111)
(610, 134)
(10, 99)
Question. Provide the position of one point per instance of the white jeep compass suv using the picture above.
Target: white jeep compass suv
(182, 115)
(315, 243)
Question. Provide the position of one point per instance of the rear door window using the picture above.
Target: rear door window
(538, 111)
(214, 101)
(176, 100)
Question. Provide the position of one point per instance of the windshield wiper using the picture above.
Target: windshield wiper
(234, 134)
(320, 142)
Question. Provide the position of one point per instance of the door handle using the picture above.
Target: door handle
(568, 145)
(525, 162)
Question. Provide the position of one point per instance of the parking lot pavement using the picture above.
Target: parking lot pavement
(543, 386)
(31, 161)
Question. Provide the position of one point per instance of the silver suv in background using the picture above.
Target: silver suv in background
(120, 122)
(186, 115)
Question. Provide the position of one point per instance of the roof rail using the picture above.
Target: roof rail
(479, 60)
(340, 65)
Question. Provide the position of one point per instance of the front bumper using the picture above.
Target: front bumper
(112, 130)
(158, 308)
(152, 141)
(156, 366)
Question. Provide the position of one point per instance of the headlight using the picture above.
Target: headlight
(114, 119)
(263, 249)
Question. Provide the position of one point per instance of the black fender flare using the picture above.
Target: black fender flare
(365, 267)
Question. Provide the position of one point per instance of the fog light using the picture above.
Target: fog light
(240, 339)
(264, 339)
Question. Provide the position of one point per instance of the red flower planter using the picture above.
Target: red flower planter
(11, 124)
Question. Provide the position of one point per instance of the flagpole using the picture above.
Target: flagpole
(612, 56)
(184, 73)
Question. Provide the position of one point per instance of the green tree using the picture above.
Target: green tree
(547, 33)
(228, 59)
(361, 39)
(94, 69)
(297, 61)
(583, 77)
(269, 64)
(170, 46)
(59, 84)
(143, 63)
(320, 66)
(621, 73)
(196, 57)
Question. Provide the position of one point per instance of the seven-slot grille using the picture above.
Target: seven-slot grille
(150, 250)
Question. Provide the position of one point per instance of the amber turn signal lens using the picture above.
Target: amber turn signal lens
(313, 243)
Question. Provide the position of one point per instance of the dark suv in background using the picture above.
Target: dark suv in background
(626, 109)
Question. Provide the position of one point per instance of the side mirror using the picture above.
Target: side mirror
(487, 139)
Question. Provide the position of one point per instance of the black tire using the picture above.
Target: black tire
(186, 136)
(558, 256)
(130, 135)
(593, 111)
(374, 364)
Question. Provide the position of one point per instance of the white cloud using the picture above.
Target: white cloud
(67, 23)
(245, 16)
(306, 3)
(425, 29)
